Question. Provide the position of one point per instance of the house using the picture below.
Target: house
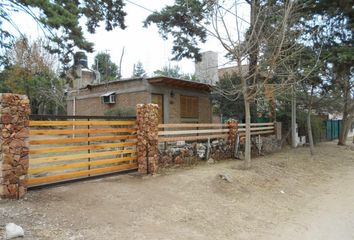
(180, 101)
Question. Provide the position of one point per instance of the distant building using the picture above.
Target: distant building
(80, 75)
(206, 71)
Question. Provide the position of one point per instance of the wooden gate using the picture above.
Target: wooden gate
(67, 147)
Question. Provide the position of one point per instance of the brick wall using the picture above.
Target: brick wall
(175, 109)
(95, 106)
(204, 110)
(132, 92)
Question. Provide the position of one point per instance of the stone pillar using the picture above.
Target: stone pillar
(14, 146)
(232, 125)
(147, 148)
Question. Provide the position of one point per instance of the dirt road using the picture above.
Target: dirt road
(287, 195)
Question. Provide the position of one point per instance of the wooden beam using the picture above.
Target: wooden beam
(71, 175)
(191, 125)
(80, 131)
(78, 156)
(192, 138)
(80, 148)
(180, 132)
(80, 139)
(256, 124)
(80, 164)
(256, 129)
(80, 123)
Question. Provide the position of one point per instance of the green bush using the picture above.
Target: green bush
(121, 111)
(317, 124)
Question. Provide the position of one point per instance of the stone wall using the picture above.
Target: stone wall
(182, 152)
(147, 133)
(14, 146)
(188, 153)
(264, 144)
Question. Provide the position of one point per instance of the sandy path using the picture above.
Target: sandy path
(329, 215)
(287, 195)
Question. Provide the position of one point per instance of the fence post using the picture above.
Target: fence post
(14, 146)
(277, 129)
(147, 121)
(232, 125)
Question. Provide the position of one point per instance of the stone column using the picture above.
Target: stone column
(232, 125)
(147, 148)
(14, 146)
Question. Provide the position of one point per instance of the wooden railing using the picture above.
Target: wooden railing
(257, 128)
(203, 131)
(191, 132)
(71, 149)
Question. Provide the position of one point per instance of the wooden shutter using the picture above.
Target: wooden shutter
(189, 107)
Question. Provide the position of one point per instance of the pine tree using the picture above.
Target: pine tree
(138, 70)
(60, 21)
(107, 69)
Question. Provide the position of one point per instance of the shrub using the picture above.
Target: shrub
(121, 111)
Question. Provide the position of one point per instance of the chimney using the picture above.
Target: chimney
(83, 75)
(80, 58)
(206, 71)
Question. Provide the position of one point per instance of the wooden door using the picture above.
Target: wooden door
(158, 99)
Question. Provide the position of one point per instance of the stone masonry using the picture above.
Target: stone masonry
(147, 124)
(14, 146)
(189, 153)
(232, 125)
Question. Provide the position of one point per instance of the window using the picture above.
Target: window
(189, 107)
(109, 97)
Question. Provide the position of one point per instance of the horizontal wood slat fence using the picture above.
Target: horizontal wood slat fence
(257, 128)
(65, 148)
(62, 150)
(203, 131)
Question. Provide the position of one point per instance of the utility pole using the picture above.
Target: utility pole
(293, 118)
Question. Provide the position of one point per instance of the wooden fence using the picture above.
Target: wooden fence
(257, 128)
(73, 148)
(191, 131)
(203, 131)
(69, 149)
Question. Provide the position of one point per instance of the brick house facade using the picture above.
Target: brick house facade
(180, 101)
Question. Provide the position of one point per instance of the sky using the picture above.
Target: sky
(141, 44)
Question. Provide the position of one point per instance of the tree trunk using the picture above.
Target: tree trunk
(252, 73)
(343, 134)
(309, 132)
(346, 86)
(293, 119)
(248, 133)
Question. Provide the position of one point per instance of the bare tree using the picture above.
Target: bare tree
(263, 46)
(31, 71)
(263, 43)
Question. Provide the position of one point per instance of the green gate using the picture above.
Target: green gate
(333, 128)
